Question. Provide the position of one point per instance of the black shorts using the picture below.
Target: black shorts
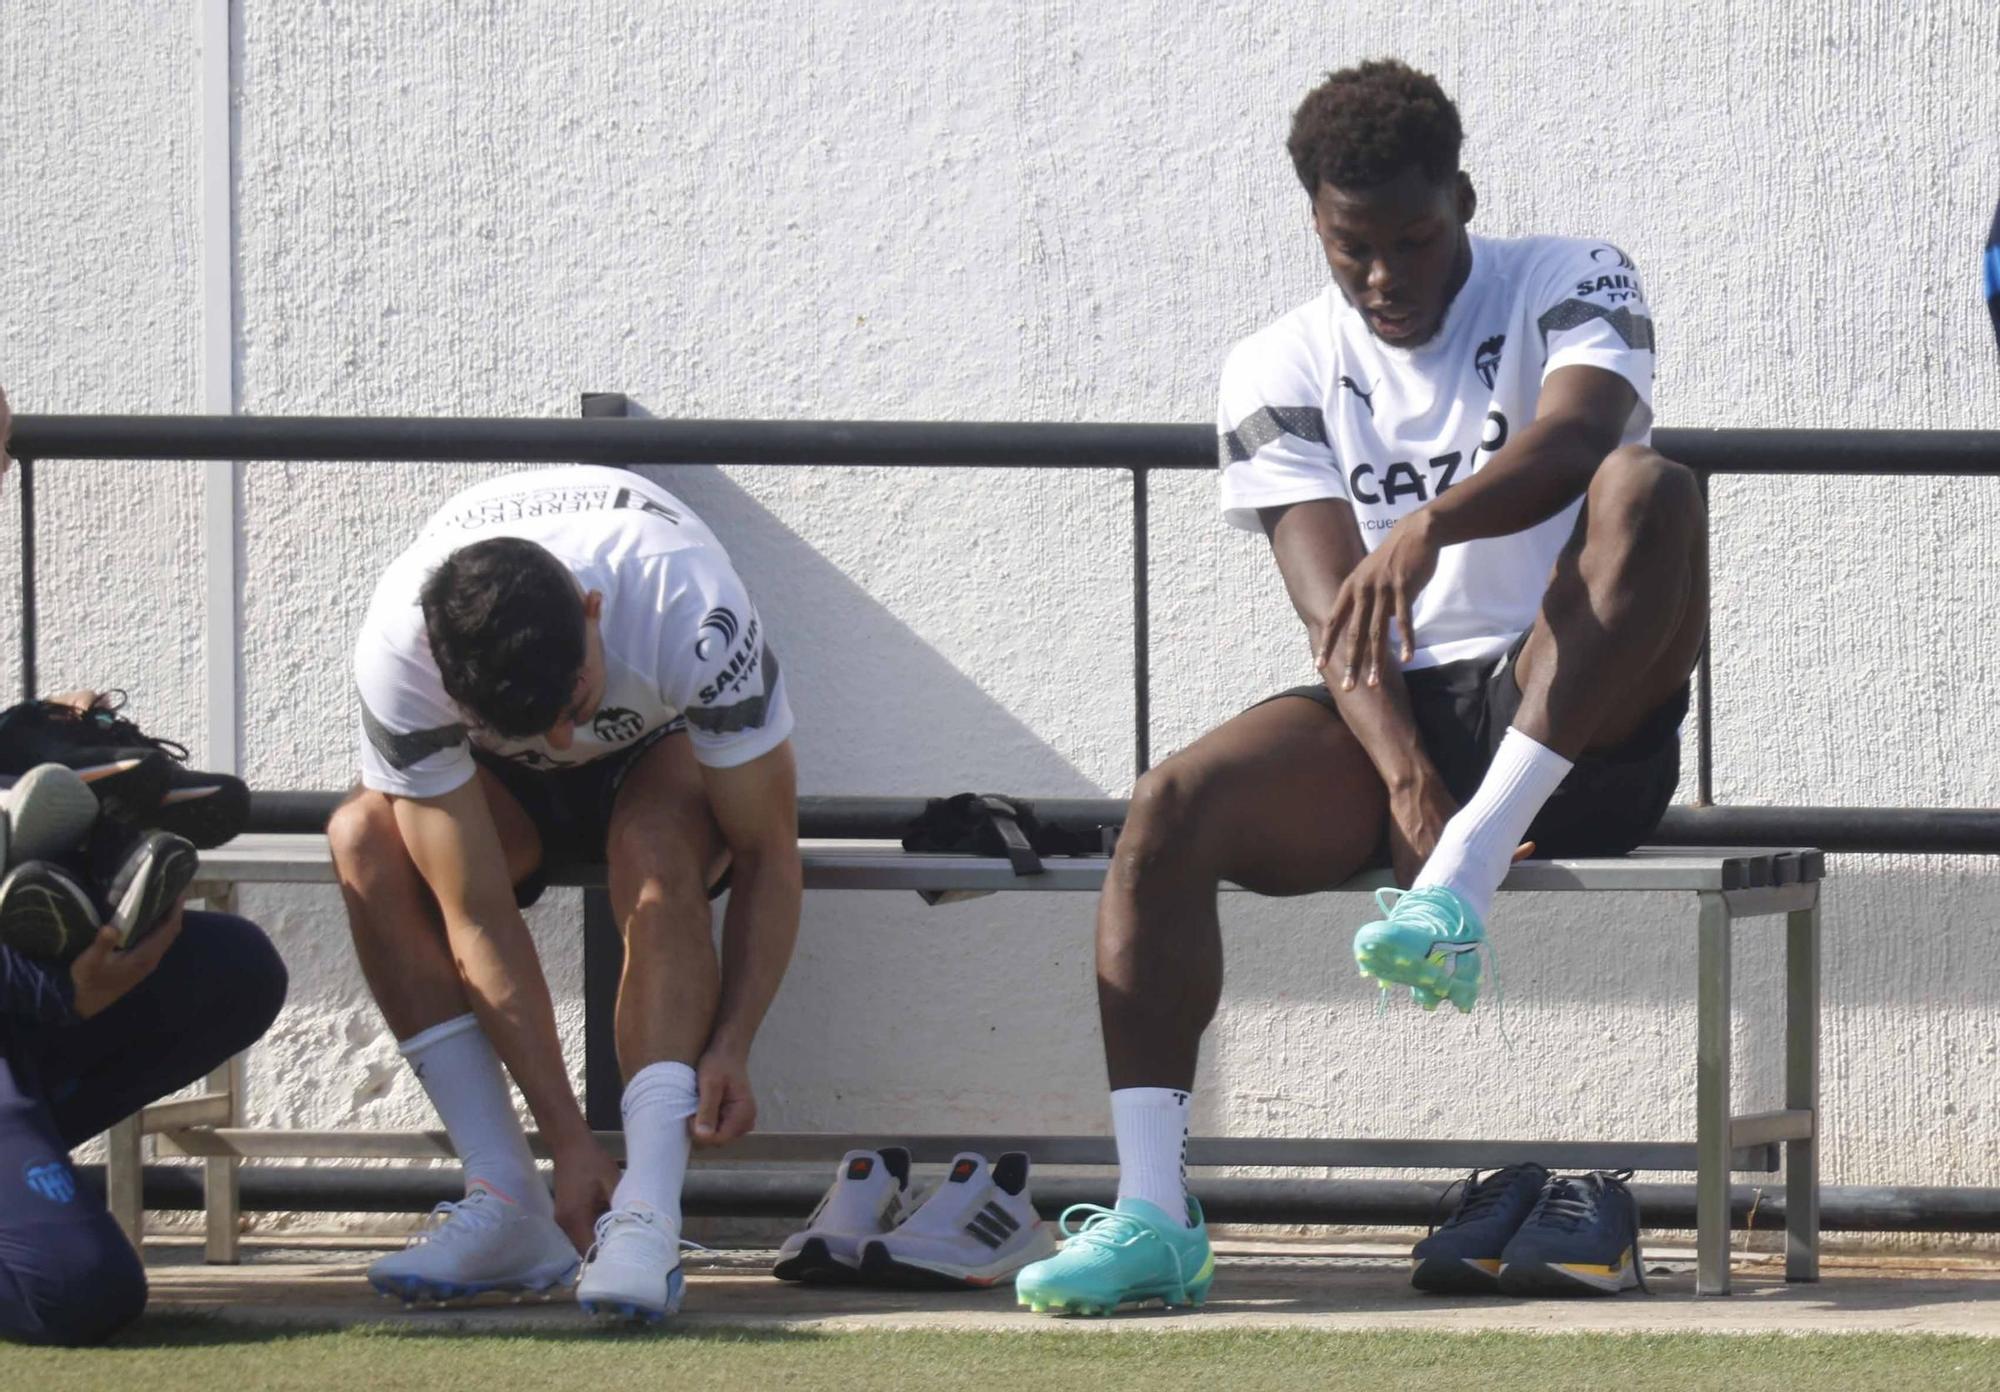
(571, 808)
(1611, 799)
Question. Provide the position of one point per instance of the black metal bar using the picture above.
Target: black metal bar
(29, 617)
(1908, 830)
(1382, 1202)
(1142, 641)
(1704, 777)
(930, 444)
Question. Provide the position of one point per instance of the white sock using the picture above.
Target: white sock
(1152, 1125)
(1479, 842)
(657, 1104)
(460, 1071)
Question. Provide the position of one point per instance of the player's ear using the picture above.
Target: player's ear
(1468, 198)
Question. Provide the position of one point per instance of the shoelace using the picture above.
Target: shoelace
(634, 1214)
(103, 714)
(1430, 911)
(456, 1218)
(1570, 1202)
(1476, 1196)
(1106, 1227)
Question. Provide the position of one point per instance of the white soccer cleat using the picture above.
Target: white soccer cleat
(634, 1269)
(976, 1230)
(870, 1194)
(481, 1243)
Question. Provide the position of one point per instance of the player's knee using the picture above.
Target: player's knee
(254, 973)
(81, 1291)
(1164, 819)
(666, 856)
(361, 831)
(1638, 490)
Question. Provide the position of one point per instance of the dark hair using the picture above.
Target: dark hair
(506, 628)
(1365, 125)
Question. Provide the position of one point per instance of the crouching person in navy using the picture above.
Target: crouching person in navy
(565, 669)
(1504, 588)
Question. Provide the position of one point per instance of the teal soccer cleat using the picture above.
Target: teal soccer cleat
(1121, 1256)
(1429, 940)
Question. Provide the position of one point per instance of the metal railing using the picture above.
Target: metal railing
(1138, 449)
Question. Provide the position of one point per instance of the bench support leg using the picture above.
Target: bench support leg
(1712, 1030)
(1802, 964)
(123, 1177)
(222, 1194)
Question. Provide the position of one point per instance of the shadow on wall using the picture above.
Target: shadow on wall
(880, 711)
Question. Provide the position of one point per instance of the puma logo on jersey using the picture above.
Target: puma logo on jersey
(1486, 362)
(1349, 383)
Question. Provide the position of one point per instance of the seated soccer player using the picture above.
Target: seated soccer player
(564, 668)
(1503, 587)
(104, 1007)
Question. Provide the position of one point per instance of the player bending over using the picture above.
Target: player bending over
(1504, 588)
(564, 668)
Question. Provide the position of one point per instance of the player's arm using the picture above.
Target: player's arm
(1545, 466)
(756, 805)
(1317, 545)
(457, 850)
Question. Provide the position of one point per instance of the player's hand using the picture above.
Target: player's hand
(585, 1180)
(728, 1109)
(102, 973)
(1382, 588)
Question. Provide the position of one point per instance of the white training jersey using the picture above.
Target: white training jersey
(1316, 406)
(681, 637)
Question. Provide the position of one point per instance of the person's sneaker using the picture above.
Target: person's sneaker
(46, 814)
(1462, 1256)
(1582, 1238)
(481, 1243)
(633, 1270)
(154, 869)
(139, 778)
(975, 1230)
(1123, 1256)
(44, 913)
(869, 1196)
(1429, 940)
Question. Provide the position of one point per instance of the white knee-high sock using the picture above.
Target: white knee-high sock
(462, 1075)
(656, 1107)
(1479, 842)
(1151, 1124)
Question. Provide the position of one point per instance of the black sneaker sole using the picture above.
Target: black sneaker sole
(1550, 1279)
(814, 1265)
(206, 808)
(156, 873)
(44, 913)
(878, 1268)
(1454, 1276)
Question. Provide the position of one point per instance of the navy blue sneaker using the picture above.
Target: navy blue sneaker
(1462, 1257)
(1581, 1239)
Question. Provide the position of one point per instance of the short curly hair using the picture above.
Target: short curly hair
(506, 627)
(1365, 125)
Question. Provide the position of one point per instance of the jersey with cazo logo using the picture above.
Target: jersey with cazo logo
(681, 638)
(1315, 406)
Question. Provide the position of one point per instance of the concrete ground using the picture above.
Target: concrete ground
(1258, 1285)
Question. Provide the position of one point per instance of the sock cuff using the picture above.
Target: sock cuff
(662, 1085)
(1532, 748)
(437, 1034)
(1179, 1099)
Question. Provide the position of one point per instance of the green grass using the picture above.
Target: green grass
(174, 1352)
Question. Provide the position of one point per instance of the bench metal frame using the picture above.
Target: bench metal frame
(1729, 885)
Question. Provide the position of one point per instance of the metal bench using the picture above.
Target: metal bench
(1728, 885)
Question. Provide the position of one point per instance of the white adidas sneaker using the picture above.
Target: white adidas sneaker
(481, 1243)
(976, 1230)
(870, 1194)
(634, 1268)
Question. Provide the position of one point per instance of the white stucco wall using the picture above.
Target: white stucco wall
(1063, 212)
